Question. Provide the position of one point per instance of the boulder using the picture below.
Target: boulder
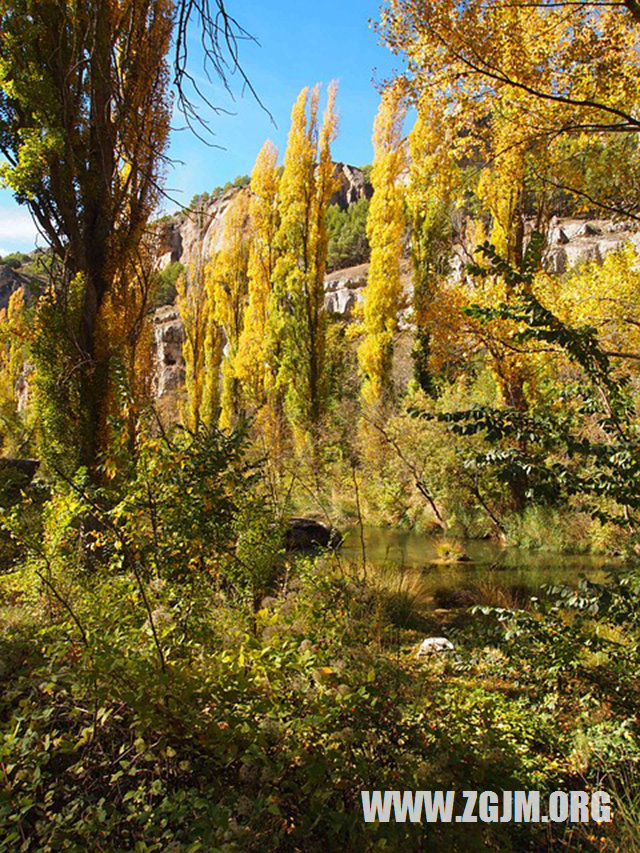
(344, 288)
(434, 646)
(306, 534)
(342, 301)
(589, 229)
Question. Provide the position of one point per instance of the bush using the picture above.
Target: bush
(258, 734)
(264, 719)
(348, 244)
(165, 293)
(15, 260)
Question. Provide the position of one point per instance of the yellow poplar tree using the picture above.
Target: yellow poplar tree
(297, 317)
(604, 296)
(252, 368)
(385, 228)
(529, 99)
(434, 184)
(124, 343)
(226, 281)
(15, 333)
(551, 74)
(201, 350)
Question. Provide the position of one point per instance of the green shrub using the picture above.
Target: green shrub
(348, 244)
(165, 292)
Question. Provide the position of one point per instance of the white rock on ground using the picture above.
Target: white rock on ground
(434, 646)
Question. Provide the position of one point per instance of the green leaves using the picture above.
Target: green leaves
(540, 324)
(587, 445)
(347, 229)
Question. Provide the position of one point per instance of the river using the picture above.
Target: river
(415, 562)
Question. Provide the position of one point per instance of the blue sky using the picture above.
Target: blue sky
(300, 43)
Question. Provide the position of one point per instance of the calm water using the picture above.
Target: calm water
(409, 557)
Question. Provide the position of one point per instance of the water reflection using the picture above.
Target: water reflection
(420, 556)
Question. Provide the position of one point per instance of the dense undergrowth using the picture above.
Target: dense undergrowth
(172, 680)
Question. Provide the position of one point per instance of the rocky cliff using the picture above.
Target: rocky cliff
(192, 236)
(11, 279)
(571, 242)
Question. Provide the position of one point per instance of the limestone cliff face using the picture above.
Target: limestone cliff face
(192, 236)
(192, 239)
(570, 242)
(576, 241)
(168, 338)
(343, 289)
(354, 185)
(11, 280)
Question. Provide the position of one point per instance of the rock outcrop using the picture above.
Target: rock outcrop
(343, 289)
(354, 185)
(168, 338)
(193, 235)
(11, 280)
(576, 241)
(571, 242)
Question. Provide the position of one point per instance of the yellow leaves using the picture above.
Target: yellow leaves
(442, 317)
(251, 361)
(510, 99)
(227, 286)
(325, 676)
(15, 307)
(264, 288)
(297, 318)
(605, 296)
(202, 348)
(16, 332)
(435, 176)
(226, 274)
(385, 229)
(501, 85)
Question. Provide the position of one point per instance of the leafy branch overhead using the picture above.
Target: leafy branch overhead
(551, 449)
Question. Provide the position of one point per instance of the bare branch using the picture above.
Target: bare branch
(219, 35)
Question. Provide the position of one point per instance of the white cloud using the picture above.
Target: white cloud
(17, 231)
